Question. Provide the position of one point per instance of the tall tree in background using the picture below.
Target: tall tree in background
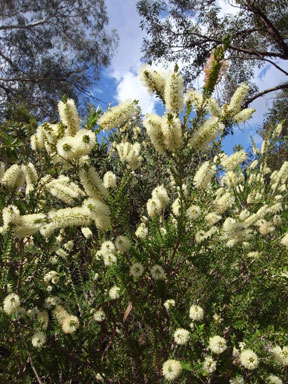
(50, 48)
(188, 30)
(278, 114)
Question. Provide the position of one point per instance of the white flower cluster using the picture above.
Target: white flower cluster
(16, 175)
(117, 116)
(130, 154)
(69, 323)
(154, 80)
(165, 132)
(206, 134)
(204, 175)
(108, 249)
(158, 202)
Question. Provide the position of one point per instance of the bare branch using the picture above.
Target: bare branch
(262, 93)
(25, 26)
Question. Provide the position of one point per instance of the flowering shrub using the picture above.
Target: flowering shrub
(122, 263)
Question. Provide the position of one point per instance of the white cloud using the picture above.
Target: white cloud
(131, 87)
(228, 7)
(124, 18)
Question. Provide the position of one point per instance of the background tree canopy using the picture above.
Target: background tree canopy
(187, 31)
(49, 48)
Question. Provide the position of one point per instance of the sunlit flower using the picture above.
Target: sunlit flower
(171, 369)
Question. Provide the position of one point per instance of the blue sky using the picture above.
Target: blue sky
(119, 81)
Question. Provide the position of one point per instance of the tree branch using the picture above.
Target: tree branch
(262, 93)
(233, 47)
(24, 26)
(269, 26)
(256, 58)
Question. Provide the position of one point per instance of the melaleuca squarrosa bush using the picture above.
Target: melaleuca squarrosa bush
(140, 257)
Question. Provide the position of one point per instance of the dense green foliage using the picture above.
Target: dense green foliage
(213, 238)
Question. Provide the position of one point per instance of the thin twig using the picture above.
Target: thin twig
(34, 370)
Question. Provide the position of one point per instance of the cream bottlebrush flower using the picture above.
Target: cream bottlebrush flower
(213, 108)
(51, 276)
(217, 344)
(206, 134)
(212, 218)
(136, 270)
(224, 202)
(237, 380)
(193, 212)
(96, 208)
(209, 365)
(60, 313)
(31, 177)
(169, 304)
(70, 324)
(117, 116)
(153, 80)
(114, 292)
(66, 147)
(11, 303)
(99, 315)
(173, 93)
(108, 247)
(272, 379)
(172, 131)
(204, 175)
(122, 243)
(217, 319)
(43, 318)
(29, 224)
(92, 183)
(255, 255)
(85, 141)
(87, 233)
(284, 240)
(277, 220)
(244, 214)
(231, 162)
(10, 215)
(248, 359)
(176, 207)
(200, 236)
(38, 339)
(69, 217)
(194, 97)
(109, 180)
(63, 191)
(281, 355)
(181, 336)
(52, 301)
(157, 272)
(14, 177)
(161, 194)
(238, 98)
(196, 313)
(69, 116)
(171, 369)
(100, 378)
(37, 141)
(243, 115)
(154, 207)
(109, 259)
(130, 153)
(141, 231)
(153, 125)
